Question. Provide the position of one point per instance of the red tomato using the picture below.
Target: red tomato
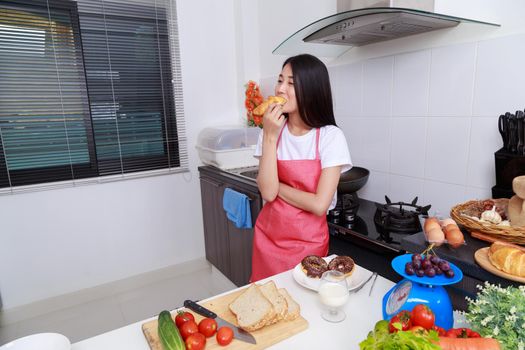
(196, 341)
(183, 317)
(224, 336)
(418, 330)
(441, 331)
(208, 327)
(403, 319)
(423, 316)
(188, 328)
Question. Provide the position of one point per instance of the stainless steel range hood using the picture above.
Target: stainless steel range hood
(333, 35)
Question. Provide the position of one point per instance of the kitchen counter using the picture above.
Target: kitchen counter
(463, 256)
(362, 312)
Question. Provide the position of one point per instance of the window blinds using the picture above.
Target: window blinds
(111, 104)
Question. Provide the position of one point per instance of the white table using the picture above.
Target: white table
(362, 312)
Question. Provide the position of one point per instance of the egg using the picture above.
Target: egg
(436, 236)
(454, 236)
(431, 223)
(447, 221)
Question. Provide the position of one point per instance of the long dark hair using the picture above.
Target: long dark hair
(312, 90)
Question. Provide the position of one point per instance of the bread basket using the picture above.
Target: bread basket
(505, 233)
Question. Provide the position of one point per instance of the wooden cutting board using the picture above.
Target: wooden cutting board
(265, 336)
(482, 258)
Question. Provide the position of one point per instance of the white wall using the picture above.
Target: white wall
(59, 241)
(421, 112)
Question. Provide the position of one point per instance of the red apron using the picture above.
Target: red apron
(284, 234)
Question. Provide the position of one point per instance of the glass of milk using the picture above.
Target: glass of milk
(333, 293)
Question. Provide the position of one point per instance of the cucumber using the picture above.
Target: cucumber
(168, 333)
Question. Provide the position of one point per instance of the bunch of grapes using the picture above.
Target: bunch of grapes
(429, 265)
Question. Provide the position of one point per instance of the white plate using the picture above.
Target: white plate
(353, 281)
(40, 341)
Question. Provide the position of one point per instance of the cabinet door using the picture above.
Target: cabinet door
(216, 240)
(241, 242)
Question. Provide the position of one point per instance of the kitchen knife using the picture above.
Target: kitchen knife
(504, 131)
(521, 141)
(238, 333)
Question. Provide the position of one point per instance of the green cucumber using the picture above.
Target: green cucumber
(169, 333)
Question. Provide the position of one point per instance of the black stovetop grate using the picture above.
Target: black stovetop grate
(399, 217)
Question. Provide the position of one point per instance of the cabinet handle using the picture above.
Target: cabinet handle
(214, 184)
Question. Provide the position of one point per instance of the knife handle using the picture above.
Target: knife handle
(201, 310)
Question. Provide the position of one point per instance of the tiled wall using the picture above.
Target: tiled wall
(425, 122)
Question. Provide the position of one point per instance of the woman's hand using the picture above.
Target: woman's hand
(273, 121)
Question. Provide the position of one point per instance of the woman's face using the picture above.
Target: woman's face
(285, 88)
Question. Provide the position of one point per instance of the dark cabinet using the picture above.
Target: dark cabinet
(228, 248)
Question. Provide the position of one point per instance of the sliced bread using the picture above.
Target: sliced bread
(252, 309)
(294, 310)
(269, 290)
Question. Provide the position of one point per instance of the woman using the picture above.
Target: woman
(301, 156)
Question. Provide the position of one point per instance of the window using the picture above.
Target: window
(86, 90)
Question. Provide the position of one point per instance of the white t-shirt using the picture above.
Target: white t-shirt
(333, 149)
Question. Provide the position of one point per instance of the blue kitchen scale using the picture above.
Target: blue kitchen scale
(413, 290)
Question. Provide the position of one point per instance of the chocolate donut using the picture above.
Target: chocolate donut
(314, 266)
(344, 264)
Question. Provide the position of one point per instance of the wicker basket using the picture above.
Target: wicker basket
(504, 233)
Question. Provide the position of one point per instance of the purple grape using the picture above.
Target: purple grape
(420, 273)
(438, 271)
(430, 272)
(417, 264)
(434, 260)
(416, 257)
(425, 264)
(449, 273)
(443, 265)
(409, 270)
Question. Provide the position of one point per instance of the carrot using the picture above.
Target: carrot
(468, 344)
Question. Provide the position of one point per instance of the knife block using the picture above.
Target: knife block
(508, 166)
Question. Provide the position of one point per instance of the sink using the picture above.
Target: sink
(252, 174)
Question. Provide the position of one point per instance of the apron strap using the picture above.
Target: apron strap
(317, 153)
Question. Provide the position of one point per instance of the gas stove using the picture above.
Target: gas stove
(375, 226)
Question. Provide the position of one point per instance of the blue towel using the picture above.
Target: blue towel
(237, 208)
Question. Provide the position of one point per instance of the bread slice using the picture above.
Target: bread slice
(294, 310)
(252, 309)
(508, 258)
(269, 290)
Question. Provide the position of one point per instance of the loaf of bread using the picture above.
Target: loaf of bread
(293, 310)
(508, 258)
(252, 309)
(269, 290)
(517, 211)
(518, 186)
(260, 109)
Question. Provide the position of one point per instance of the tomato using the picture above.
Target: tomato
(196, 341)
(441, 331)
(402, 319)
(208, 327)
(423, 316)
(461, 333)
(224, 336)
(182, 317)
(188, 328)
(418, 330)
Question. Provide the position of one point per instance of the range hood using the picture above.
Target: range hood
(357, 26)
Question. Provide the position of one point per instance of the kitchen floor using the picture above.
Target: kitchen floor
(136, 299)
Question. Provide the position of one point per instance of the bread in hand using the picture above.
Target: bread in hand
(261, 109)
(252, 309)
(508, 258)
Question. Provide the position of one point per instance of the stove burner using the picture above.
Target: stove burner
(398, 217)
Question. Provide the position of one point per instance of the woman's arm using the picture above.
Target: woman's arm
(268, 179)
(319, 201)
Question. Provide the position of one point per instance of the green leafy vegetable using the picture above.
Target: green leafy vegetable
(381, 340)
(499, 313)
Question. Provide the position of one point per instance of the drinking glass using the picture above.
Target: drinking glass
(333, 293)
